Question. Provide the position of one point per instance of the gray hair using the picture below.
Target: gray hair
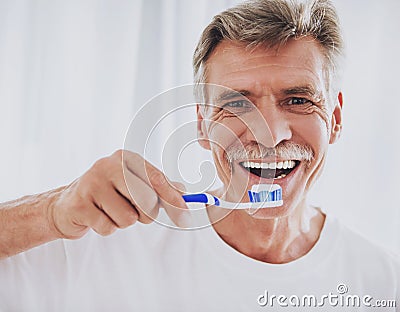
(272, 23)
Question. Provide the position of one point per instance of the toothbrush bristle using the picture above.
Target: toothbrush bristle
(257, 195)
(251, 196)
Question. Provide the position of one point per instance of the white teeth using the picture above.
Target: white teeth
(287, 164)
(281, 176)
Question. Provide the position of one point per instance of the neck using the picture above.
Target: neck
(276, 240)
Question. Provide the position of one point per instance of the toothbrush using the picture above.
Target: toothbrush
(260, 195)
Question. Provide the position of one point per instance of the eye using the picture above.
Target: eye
(237, 107)
(298, 101)
(236, 104)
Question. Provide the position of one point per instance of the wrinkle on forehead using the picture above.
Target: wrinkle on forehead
(310, 46)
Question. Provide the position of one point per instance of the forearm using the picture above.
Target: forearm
(26, 223)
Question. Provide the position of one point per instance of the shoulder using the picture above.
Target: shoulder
(358, 248)
(360, 263)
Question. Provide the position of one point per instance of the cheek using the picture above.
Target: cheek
(221, 136)
(313, 130)
(224, 134)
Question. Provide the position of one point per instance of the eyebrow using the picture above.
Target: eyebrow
(230, 94)
(305, 90)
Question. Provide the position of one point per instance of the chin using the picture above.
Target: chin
(271, 213)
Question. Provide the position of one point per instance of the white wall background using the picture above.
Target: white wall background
(73, 73)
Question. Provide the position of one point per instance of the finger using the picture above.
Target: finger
(117, 207)
(141, 195)
(96, 219)
(138, 166)
(180, 217)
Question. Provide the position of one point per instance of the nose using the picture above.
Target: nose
(268, 126)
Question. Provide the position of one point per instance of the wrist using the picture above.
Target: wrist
(49, 212)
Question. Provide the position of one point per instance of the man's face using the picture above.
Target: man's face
(291, 112)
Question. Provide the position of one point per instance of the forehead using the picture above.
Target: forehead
(261, 70)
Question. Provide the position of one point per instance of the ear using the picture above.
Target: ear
(202, 134)
(336, 121)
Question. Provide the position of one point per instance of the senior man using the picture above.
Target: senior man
(281, 59)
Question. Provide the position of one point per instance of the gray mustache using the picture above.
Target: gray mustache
(285, 150)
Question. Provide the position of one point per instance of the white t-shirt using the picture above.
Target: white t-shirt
(155, 268)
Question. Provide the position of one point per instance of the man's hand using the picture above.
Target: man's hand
(101, 200)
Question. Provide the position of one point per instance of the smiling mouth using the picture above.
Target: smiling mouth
(271, 170)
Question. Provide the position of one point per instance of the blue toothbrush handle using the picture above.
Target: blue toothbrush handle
(195, 198)
(203, 198)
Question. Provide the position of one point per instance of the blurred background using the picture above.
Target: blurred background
(74, 73)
